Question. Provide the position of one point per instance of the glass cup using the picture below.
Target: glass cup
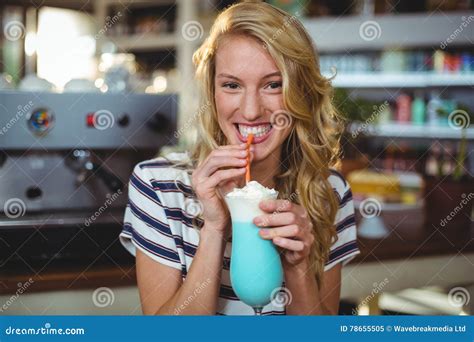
(255, 266)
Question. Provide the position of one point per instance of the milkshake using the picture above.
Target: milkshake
(255, 269)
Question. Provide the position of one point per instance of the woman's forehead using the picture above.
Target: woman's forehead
(237, 46)
(243, 55)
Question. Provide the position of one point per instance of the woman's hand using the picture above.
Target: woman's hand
(220, 171)
(289, 226)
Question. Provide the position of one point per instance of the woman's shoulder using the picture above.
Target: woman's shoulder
(338, 183)
(170, 173)
(171, 164)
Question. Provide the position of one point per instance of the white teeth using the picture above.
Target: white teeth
(257, 131)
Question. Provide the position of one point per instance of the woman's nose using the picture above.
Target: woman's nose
(251, 107)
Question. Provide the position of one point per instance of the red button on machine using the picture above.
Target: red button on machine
(90, 120)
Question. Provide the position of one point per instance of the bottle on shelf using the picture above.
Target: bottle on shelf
(384, 113)
(467, 63)
(390, 156)
(418, 109)
(438, 61)
(448, 163)
(403, 108)
(434, 106)
(432, 165)
(400, 163)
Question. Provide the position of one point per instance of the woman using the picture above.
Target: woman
(260, 74)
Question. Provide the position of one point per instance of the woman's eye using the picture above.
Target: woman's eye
(274, 85)
(230, 85)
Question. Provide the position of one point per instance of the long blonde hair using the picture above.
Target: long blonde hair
(312, 146)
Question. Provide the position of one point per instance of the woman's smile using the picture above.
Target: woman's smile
(261, 131)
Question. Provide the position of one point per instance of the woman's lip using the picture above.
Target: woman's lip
(252, 124)
(256, 140)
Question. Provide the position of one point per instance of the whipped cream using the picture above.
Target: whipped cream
(253, 190)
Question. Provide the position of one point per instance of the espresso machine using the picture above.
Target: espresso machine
(65, 161)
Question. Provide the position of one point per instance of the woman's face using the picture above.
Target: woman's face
(248, 90)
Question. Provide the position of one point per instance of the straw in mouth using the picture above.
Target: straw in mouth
(247, 173)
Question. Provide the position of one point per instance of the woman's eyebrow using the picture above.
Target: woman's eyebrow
(276, 73)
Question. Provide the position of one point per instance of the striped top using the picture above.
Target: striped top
(159, 221)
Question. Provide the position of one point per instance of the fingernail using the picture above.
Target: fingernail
(257, 221)
(264, 232)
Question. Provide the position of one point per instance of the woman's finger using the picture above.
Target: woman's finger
(290, 231)
(223, 162)
(275, 219)
(280, 205)
(232, 147)
(290, 244)
(224, 175)
(203, 169)
(222, 151)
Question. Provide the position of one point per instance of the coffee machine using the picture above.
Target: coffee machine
(65, 161)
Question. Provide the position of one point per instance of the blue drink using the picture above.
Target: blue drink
(255, 269)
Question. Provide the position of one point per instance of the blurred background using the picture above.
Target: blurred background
(90, 88)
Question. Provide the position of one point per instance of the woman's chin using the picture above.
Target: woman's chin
(262, 151)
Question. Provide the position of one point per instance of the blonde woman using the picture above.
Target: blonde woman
(260, 73)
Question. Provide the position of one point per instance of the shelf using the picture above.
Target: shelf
(402, 80)
(77, 5)
(145, 42)
(396, 130)
(391, 31)
(138, 3)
